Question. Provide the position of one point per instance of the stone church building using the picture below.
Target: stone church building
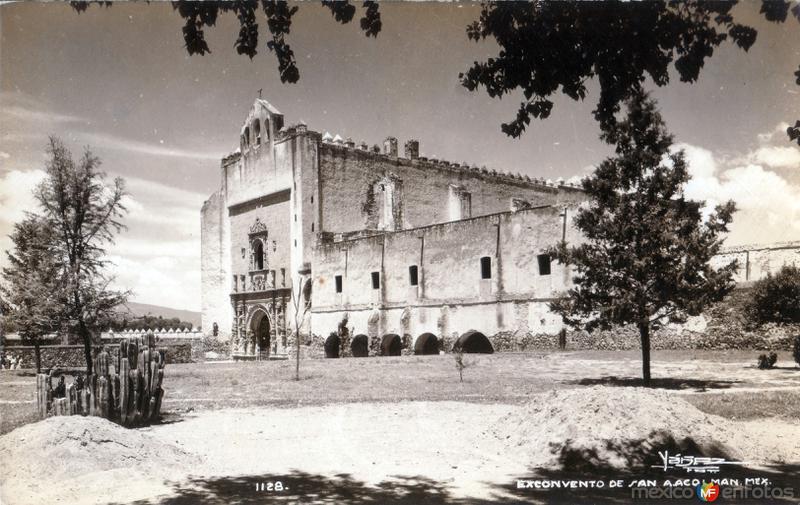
(402, 251)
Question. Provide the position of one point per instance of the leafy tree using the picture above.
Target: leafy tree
(545, 46)
(31, 283)
(84, 215)
(278, 15)
(645, 259)
(550, 46)
(776, 298)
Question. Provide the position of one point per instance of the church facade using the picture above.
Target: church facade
(401, 251)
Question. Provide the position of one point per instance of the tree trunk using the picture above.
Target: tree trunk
(644, 333)
(38, 351)
(297, 356)
(87, 346)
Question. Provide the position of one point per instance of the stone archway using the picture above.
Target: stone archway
(260, 328)
(332, 346)
(360, 346)
(473, 342)
(391, 345)
(427, 343)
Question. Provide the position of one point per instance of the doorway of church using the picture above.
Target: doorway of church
(262, 336)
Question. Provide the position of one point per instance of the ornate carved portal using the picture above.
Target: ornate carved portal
(260, 325)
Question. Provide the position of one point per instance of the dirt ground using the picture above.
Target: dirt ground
(405, 430)
(406, 452)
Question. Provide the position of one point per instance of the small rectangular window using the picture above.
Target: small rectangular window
(376, 280)
(413, 275)
(338, 283)
(544, 264)
(486, 267)
(312, 226)
(312, 198)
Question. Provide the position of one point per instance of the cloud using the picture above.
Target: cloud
(18, 113)
(768, 204)
(779, 130)
(158, 257)
(16, 197)
(115, 143)
(585, 172)
(777, 156)
(30, 117)
(158, 280)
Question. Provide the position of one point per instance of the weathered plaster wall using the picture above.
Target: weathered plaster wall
(214, 267)
(755, 261)
(259, 169)
(421, 191)
(451, 297)
(274, 212)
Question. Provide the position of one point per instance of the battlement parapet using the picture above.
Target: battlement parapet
(336, 143)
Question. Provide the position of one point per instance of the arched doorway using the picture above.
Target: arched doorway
(427, 343)
(261, 332)
(360, 346)
(332, 346)
(391, 345)
(473, 342)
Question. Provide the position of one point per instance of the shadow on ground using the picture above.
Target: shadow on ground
(305, 488)
(643, 463)
(657, 383)
(572, 463)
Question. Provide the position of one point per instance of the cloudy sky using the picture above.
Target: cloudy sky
(119, 80)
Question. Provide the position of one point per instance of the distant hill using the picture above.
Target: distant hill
(144, 309)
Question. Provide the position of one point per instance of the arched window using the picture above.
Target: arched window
(257, 131)
(258, 255)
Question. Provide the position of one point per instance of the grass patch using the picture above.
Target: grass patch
(509, 378)
(748, 405)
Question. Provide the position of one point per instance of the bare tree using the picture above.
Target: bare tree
(301, 301)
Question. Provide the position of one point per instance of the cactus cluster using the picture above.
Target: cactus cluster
(127, 390)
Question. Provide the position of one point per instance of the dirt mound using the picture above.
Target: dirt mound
(67, 447)
(618, 427)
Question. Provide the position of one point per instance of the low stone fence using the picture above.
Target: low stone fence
(71, 356)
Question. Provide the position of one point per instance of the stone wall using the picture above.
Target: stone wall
(365, 190)
(757, 261)
(214, 269)
(451, 297)
(71, 356)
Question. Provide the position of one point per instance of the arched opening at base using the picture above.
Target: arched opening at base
(427, 343)
(332, 346)
(360, 346)
(473, 342)
(391, 345)
(261, 341)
